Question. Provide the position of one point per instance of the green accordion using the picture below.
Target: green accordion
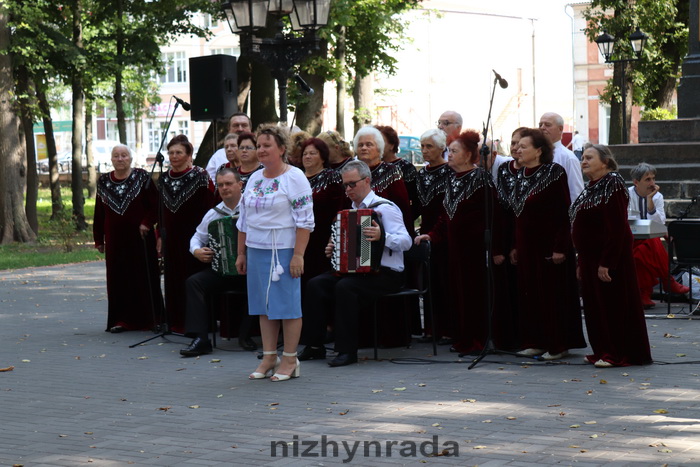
(223, 239)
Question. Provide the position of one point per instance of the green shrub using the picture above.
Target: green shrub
(659, 114)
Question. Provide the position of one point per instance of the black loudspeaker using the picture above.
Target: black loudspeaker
(213, 87)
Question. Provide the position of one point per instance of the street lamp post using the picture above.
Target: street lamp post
(606, 46)
(281, 52)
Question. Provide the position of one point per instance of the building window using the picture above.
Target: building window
(176, 68)
(209, 22)
(155, 132)
(233, 51)
(183, 128)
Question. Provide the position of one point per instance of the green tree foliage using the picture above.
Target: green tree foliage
(655, 76)
(361, 37)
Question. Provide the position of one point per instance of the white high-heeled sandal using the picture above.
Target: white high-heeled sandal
(258, 375)
(295, 374)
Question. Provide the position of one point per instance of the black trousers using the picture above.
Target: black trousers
(345, 296)
(200, 288)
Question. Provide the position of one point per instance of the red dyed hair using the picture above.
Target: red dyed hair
(469, 140)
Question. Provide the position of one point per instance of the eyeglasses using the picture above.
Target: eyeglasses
(352, 184)
(445, 122)
(246, 148)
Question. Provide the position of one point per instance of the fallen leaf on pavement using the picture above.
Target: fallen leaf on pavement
(660, 411)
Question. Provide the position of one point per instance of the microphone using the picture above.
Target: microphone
(185, 105)
(304, 85)
(501, 82)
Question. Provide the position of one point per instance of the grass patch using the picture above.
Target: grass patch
(55, 237)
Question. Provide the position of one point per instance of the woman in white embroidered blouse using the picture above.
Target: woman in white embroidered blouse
(275, 222)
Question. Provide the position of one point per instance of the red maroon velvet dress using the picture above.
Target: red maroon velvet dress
(462, 227)
(186, 196)
(508, 327)
(548, 301)
(387, 182)
(431, 184)
(133, 281)
(614, 315)
(329, 198)
(409, 175)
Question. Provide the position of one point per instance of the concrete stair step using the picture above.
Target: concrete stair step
(659, 154)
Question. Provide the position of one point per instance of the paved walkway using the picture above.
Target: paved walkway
(79, 396)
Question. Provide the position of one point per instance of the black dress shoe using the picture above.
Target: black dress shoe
(312, 353)
(247, 343)
(198, 347)
(343, 359)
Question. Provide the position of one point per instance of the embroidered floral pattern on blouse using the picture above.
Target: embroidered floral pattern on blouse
(259, 191)
(301, 202)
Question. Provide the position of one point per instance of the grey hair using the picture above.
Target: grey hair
(231, 136)
(557, 118)
(638, 172)
(436, 135)
(606, 157)
(356, 164)
(123, 146)
(370, 130)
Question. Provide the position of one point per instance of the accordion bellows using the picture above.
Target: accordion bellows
(223, 239)
(353, 253)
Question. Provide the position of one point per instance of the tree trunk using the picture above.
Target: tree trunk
(89, 154)
(118, 78)
(262, 96)
(25, 88)
(341, 93)
(362, 95)
(14, 225)
(78, 124)
(138, 133)
(54, 182)
(244, 76)
(210, 143)
(309, 115)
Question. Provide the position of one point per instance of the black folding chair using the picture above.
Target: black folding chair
(417, 268)
(684, 236)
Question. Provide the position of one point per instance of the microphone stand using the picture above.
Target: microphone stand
(163, 328)
(489, 347)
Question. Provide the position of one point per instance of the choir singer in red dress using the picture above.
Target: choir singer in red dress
(125, 211)
(611, 301)
(548, 302)
(461, 227)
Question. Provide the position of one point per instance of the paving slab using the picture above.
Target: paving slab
(78, 395)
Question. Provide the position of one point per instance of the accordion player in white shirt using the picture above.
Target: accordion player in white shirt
(347, 294)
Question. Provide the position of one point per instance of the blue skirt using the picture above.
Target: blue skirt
(277, 299)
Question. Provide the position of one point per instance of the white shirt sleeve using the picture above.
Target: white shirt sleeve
(301, 199)
(215, 161)
(660, 214)
(201, 234)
